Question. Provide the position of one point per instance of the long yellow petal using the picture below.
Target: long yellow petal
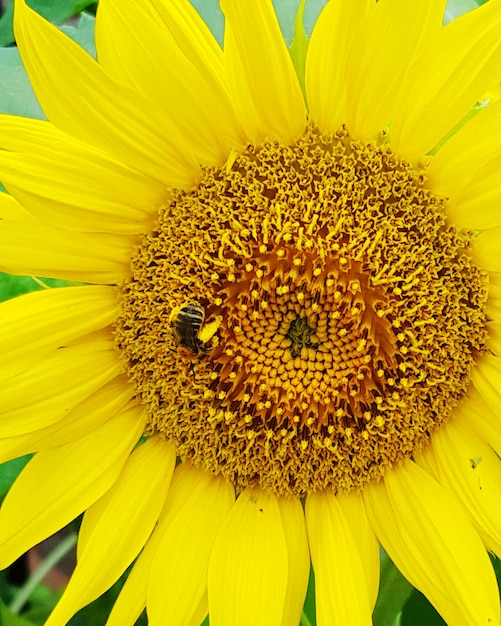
(248, 569)
(134, 46)
(388, 42)
(90, 414)
(117, 526)
(476, 205)
(196, 508)
(475, 143)
(494, 340)
(47, 391)
(486, 249)
(10, 209)
(298, 559)
(212, 505)
(36, 323)
(341, 595)
(331, 40)
(131, 600)
(70, 184)
(486, 378)
(457, 68)
(353, 509)
(263, 84)
(493, 306)
(183, 22)
(58, 484)
(469, 467)
(37, 249)
(429, 538)
(96, 109)
(482, 418)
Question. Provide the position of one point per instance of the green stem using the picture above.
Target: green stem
(51, 560)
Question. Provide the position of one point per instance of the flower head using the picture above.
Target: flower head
(291, 290)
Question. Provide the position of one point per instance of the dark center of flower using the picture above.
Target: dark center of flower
(304, 318)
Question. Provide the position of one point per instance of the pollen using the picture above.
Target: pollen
(342, 315)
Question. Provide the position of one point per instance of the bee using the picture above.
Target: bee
(187, 323)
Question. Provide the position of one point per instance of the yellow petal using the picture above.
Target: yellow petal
(429, 538)
(476, 205)
(197, 505)
(132, 598)
(134, 46)
(475, 143)
(37, 323)
(367, 544)
(486, 249)
(117, 526)
(58, 484)
(263, 84)
(37, 249)
(219, 498)
(298, 559)
(47, 391)
(90, 414)
(340, 592)
(482, 418)
(494, 339)
(182, 21)
(95, 108)
(391, 36)
(332, 37)
(10, 209)
(469, 468)
(486, 379)
(248, 570)
(457, 68)
(426, 459)
(65, 181)
(493, 307)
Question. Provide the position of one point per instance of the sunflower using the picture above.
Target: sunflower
(283, 344)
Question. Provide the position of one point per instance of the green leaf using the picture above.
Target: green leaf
(11, 286)
(310, 610)
(394, 591)
(56, 11)
(16, 95)
(41, 604)
(496, 564)
(83, 33)
(311, 13)
(10, 471)
(286, 12)
(211, 14)
(418, 611)
(10, 619)
(455, 8)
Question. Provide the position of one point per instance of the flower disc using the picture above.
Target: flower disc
(304, 317)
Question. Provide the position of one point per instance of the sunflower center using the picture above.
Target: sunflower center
(305, 317)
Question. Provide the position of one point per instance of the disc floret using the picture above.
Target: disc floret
(346, 315)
